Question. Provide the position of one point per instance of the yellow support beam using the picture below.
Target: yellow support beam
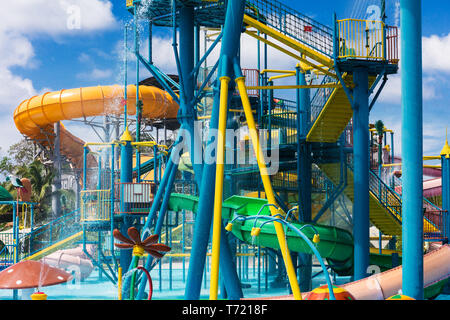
(268, 188)
(297, 46)
(277, 71)
(310, 86)
(292, 55)
(281, 76)
(218, 197)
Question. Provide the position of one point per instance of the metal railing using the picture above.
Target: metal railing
(95, 205)
(134, 198)
(320, 98)
(361, 39)
(434, 217)
(282, 126)
(47, 235)
(293, 24)
(436, 229)
(251, 79)
(7, 247)
(392, 44)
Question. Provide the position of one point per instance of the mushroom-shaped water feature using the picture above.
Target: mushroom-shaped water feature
(32, 274)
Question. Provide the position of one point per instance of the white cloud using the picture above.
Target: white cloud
(56, 17)
(436, 53)
(435, 62)
(20, 23)
(96, 74)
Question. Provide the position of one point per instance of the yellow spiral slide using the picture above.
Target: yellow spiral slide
(35, 117)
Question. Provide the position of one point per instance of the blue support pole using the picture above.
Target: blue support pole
(445, 160)
(361, 222)
(112, 200)
(85, 154)
(138, 101)
(230, 44)
(186, 113)
(412, 147)
(304, 174)
(125, 90)
(126, 175)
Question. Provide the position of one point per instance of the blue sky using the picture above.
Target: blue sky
(40, 52)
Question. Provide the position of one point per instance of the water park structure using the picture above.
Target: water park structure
(257, 196)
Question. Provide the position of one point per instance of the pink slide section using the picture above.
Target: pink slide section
(72, 260)
(436, 267)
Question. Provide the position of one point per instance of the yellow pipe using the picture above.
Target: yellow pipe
(293, 55)
(276, 71)
(119, 283)
(287, 75)
(299, 47)
(268, 188)
(218, 198)
(432, 158)
(311, 86)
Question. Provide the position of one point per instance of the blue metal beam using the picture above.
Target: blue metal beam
(361, 222)
(412, 147)
(230, 44)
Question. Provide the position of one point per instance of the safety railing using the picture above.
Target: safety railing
(47, 235)
(7, 245)
(392, 44)
(251, 79)
(95, 205)
(435, 230)
(320, 98)
(361, 39)
(387, 197)
(293, 24)
(282, 125)
(434, 218)
(134, 198)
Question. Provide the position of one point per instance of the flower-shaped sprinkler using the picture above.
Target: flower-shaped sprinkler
(149, 245)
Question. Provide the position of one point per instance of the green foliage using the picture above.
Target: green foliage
(379, 126)
(22, 153)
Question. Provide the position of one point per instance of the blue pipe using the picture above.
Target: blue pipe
(125, 90)
(304, 237)
(361, 222)
(207, 53)
(186, 112)
(445, 160)
(85, 154)
(126, 175)
(412, 147)
(230, 44)
(157, 74)
(138, 107)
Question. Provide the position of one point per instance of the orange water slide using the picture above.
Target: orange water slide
(383, 285)
(35, 117)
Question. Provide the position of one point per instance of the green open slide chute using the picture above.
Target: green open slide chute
(336, 245)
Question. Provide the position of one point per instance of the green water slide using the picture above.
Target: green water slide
(336, 245)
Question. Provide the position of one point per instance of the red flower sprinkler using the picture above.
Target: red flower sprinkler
(139, 247)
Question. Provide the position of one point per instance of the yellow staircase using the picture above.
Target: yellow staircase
(334, 116)
(380, 216)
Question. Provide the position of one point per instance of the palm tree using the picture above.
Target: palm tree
(41, 179)
(379, 127)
